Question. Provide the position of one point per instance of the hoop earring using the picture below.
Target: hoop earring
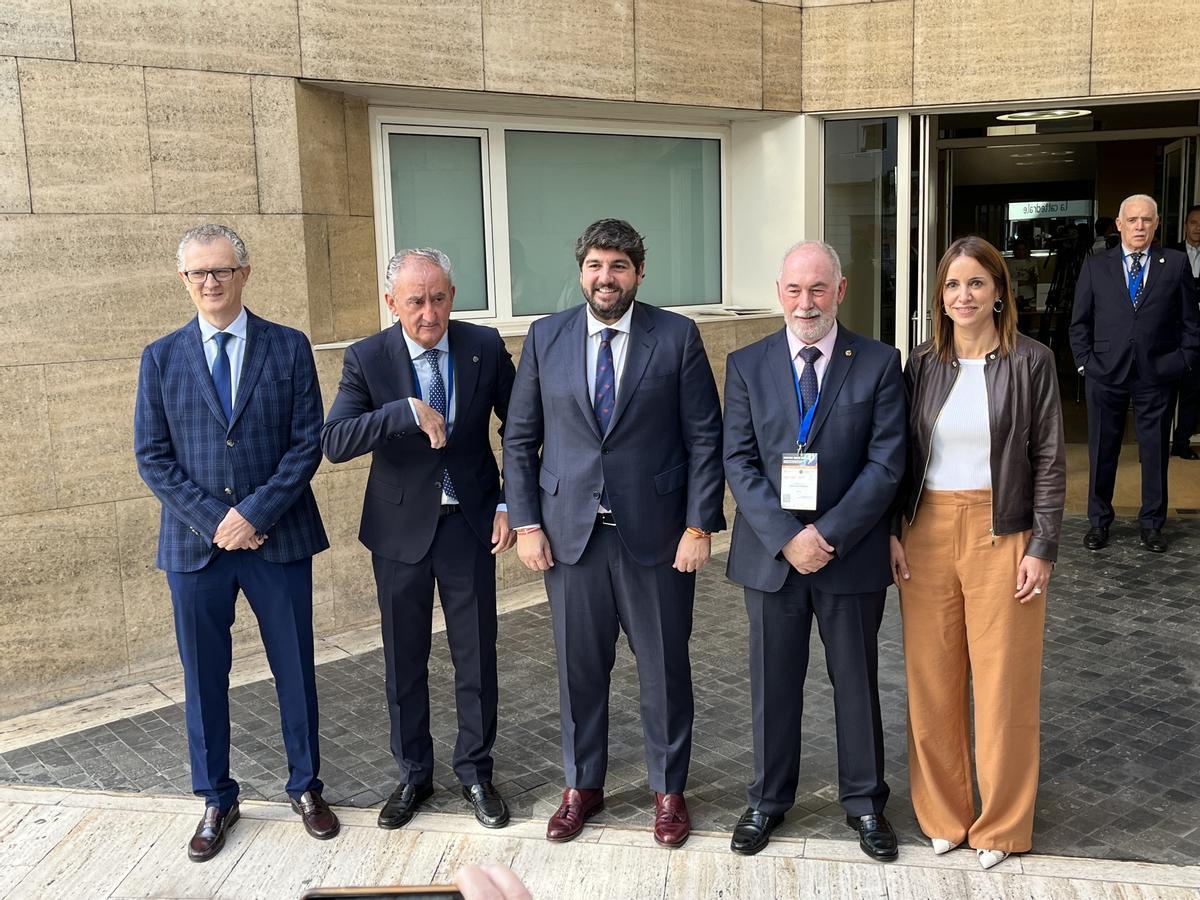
(998, 305)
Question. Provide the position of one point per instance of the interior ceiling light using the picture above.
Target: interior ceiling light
(1043, 115)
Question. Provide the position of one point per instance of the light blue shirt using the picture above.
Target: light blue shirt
(425, 373)
(235, 349)
(1127, 259)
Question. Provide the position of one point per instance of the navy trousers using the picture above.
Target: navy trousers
(780, 626)
(280, 594)
(1153, 406)
(465, 573)
(590, 602)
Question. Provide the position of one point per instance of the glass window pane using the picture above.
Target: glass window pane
(668, 188)
(860, 220)
(437, 201)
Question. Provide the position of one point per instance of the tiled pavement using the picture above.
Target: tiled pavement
(1120, 701)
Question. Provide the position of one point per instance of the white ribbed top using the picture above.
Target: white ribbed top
(960, 458)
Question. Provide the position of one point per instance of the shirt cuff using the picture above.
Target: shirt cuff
(502, 507)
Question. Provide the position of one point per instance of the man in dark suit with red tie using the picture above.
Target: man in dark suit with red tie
(1135, 333)
(419, 398)
(612, 461)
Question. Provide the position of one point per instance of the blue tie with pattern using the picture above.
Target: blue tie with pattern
(437, 399)
(808, 377)
(1135, 266)
(606, 382)
(222, 374)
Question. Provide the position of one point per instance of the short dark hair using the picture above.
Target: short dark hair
(611, 234)
(1191, 209)
(1103, 224)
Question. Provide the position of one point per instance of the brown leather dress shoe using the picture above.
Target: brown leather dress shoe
(578, 805)
(210, 833)
(319, 819)
(671, 823)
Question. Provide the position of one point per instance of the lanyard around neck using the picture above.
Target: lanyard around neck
(806, 416)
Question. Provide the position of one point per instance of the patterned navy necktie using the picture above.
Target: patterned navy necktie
(222, 374)
(437, 399)
(808, 377)
(606, 381)
(1135, 266)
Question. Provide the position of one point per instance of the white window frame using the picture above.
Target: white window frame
(491, 130)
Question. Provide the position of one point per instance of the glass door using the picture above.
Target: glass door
(1175, 191)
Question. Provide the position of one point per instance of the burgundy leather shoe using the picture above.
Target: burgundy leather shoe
(210, 833)
(578, 805)
(319, 819)
(671, 823)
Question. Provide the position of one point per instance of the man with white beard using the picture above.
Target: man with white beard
(814, 449)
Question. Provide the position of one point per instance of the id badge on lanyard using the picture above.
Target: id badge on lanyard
(798, 471)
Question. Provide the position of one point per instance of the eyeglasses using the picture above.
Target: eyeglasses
(199, 276)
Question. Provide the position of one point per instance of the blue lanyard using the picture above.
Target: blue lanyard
(449, 383)
(1135, 281)
(806, 417)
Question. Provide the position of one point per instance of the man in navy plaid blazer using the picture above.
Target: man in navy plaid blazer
(227, 436)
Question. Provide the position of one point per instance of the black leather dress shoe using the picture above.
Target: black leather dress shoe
(319, 820)
(1096, 538)
(210, 833)
(753, 831)
(1185, 453)
(489, 807)
(1153, 540)
(875, 836)
(406, 799)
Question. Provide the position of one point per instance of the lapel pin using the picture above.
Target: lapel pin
(849, 352)
(1161, 260)
(474, 359)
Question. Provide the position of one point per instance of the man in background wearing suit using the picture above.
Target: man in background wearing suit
(419, 398)
(1135, 332)
(814, 451)
(617, 511)
(226, 435)
(1189, 385)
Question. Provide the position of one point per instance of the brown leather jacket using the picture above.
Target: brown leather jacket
(1029, 457)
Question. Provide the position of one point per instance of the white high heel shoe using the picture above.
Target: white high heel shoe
(989, 858)
(941, 846)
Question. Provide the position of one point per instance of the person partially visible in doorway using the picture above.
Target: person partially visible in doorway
(1024, 271)
(1135, 333)
(1106, 235)
(982, 512)
(1189, 386)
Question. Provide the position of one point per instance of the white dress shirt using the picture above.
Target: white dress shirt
(1193, 252)
(619, 344)
(235, 349)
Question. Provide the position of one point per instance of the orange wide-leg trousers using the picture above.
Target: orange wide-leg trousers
(963, 630)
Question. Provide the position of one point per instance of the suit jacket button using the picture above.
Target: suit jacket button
(393, 436)
(595, 495)
(230, 442)
(605, 450)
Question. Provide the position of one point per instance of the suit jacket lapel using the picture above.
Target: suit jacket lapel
(783, 373)
(193, 346)
(258, 340)
(1116, 266)
(400, 364)
(575, 346)
(637, 357)
(464, 355)
(835, 376)
(1153, 279)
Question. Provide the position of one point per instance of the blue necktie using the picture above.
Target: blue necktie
(222, 374)
(1135, 266)
(606, 381)
(437, 399)
(808, 377)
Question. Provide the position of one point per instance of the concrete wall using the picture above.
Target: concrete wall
(123, 123)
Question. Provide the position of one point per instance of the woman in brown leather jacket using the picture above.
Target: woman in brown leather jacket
(983, 507)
